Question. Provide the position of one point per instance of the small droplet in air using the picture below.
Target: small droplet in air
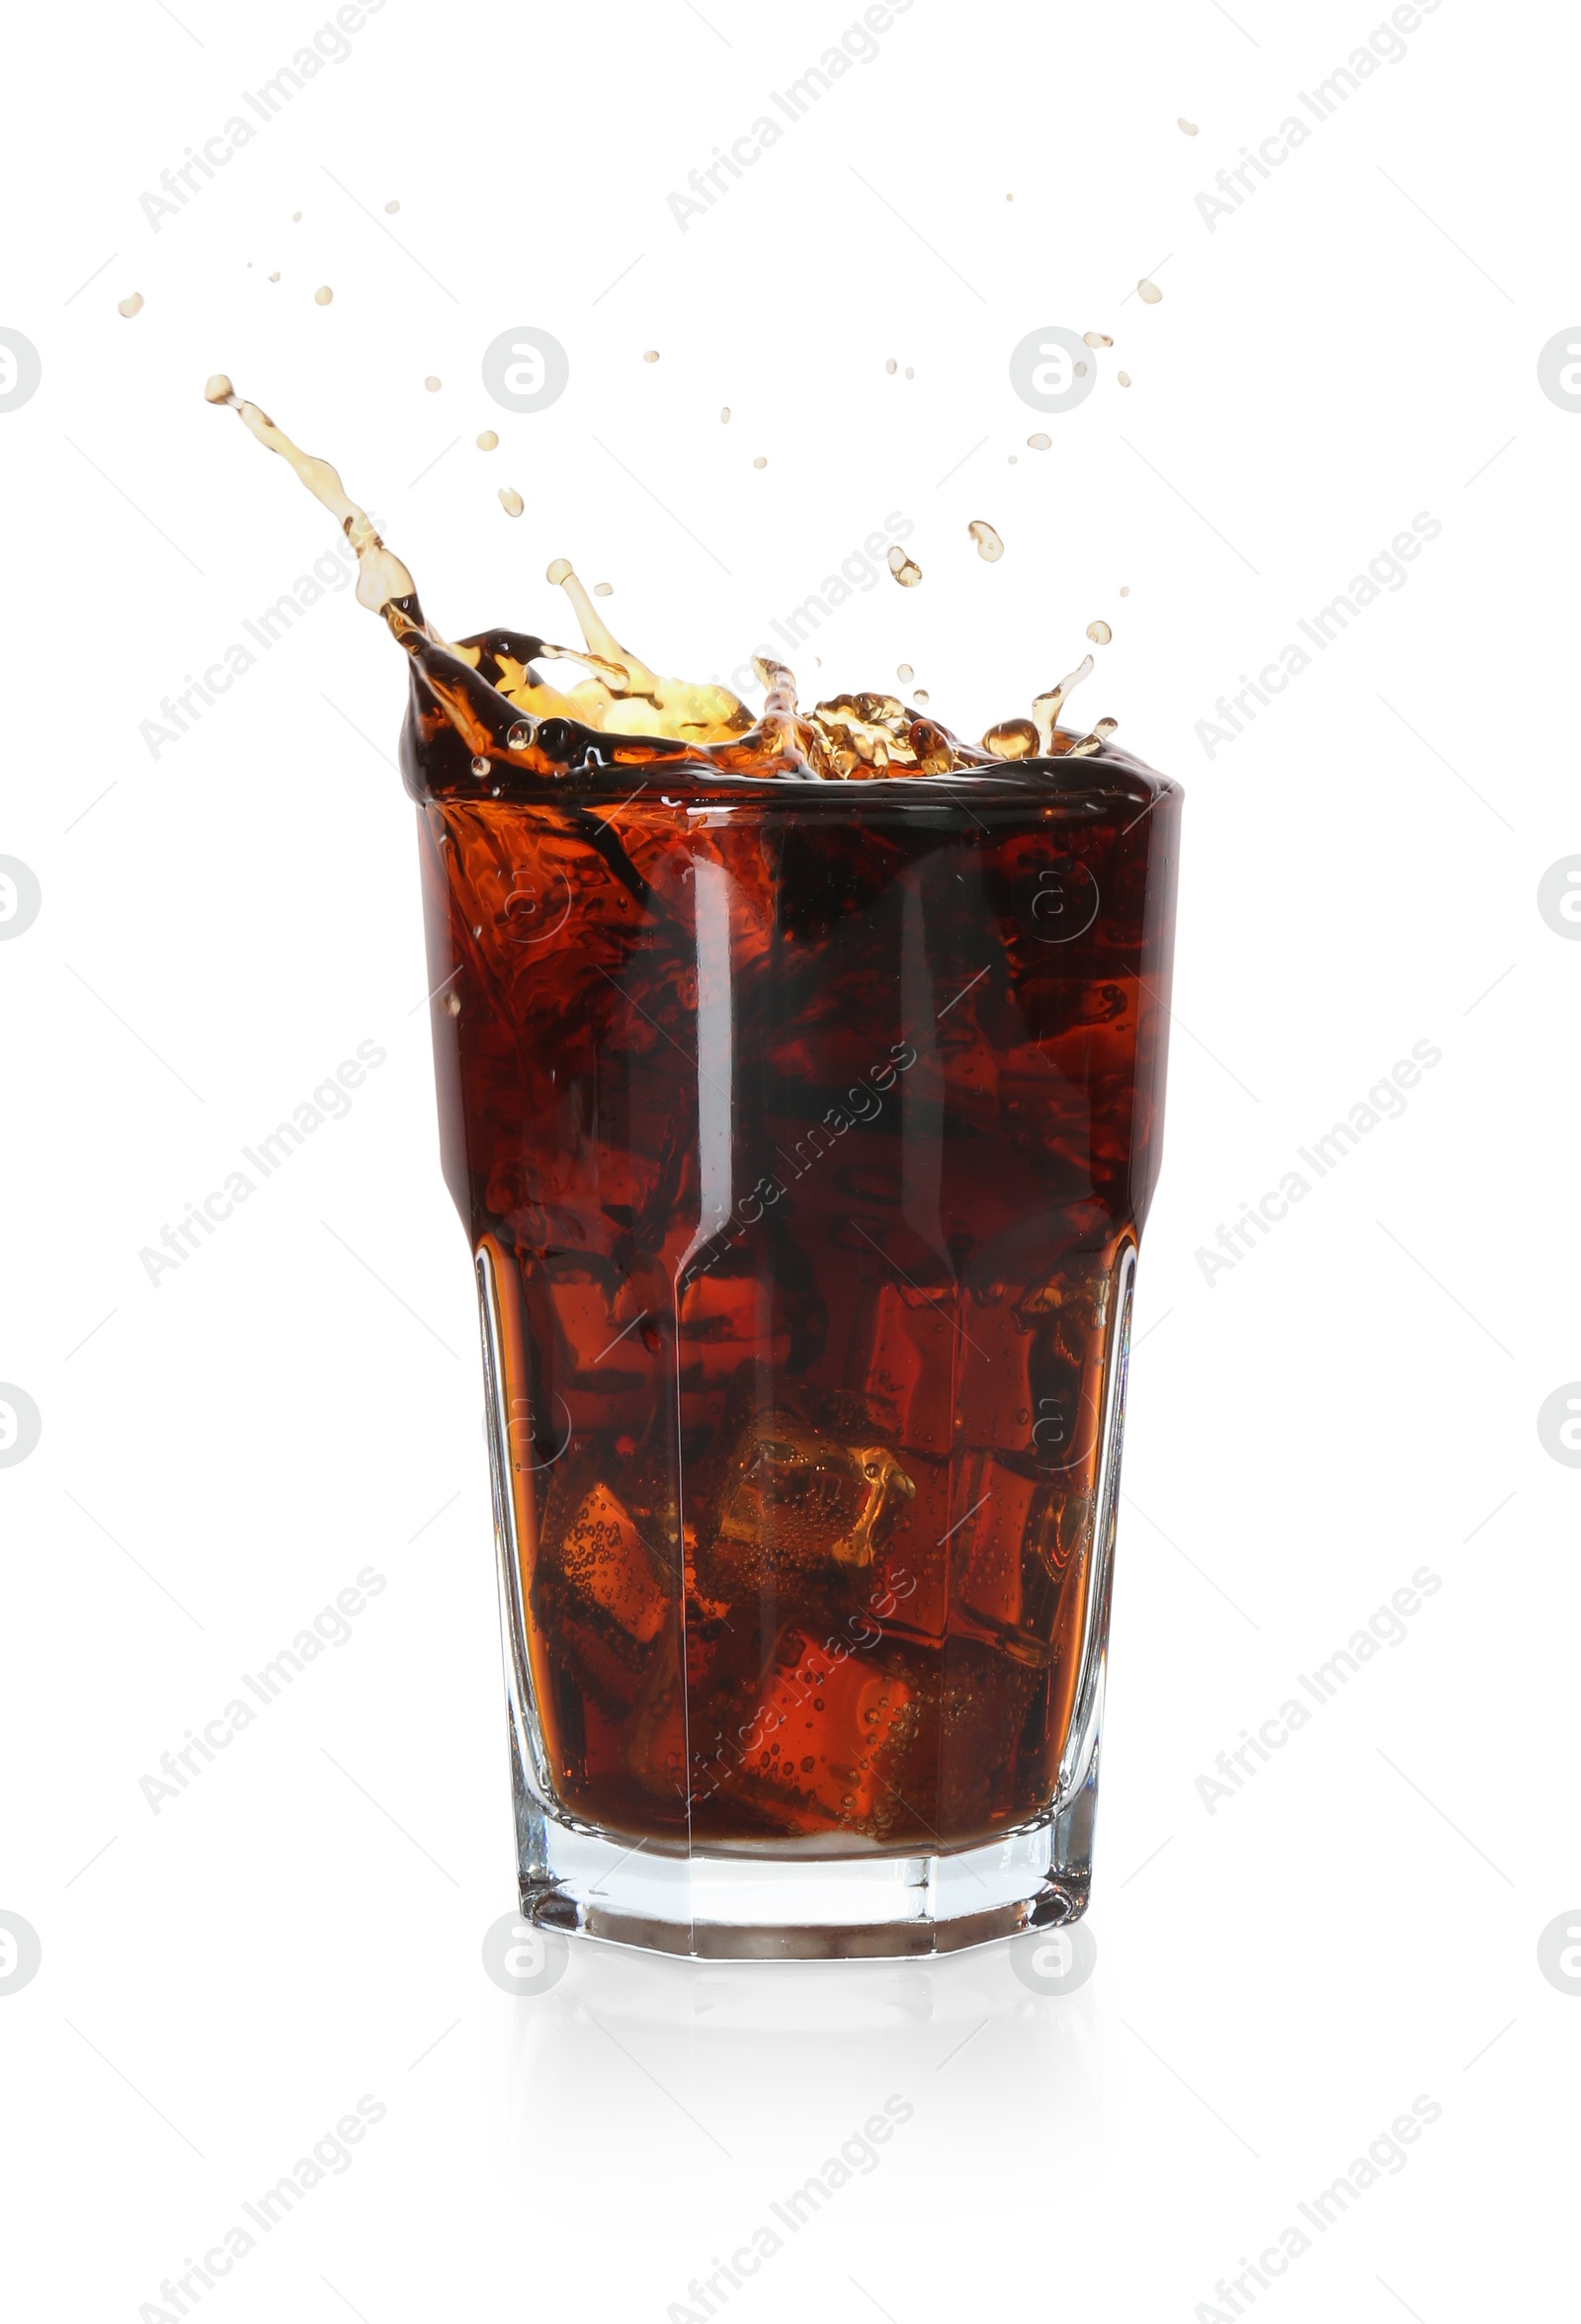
(273, 278)
(604, 588)
(432, 383)
(390, 207)
(1150, 291)
(904, 571)
(724, 415)
(558, 572)
(295, 217)
(488, 440)
(1039, 443)
(323, 294)
(1100, 632)
(1011, 461)
(1186, 128)
(651, 355)
(920, 696)
(759, 461)
(218, 389)
(1126, 591)
(891, 366)
(1097, 339)
(482, 766)
(131, 307)
(989, 546)
(910, 373)
(1124, 378)
(905, 673)
(1079, 370)
(520, 735)
(511, 501)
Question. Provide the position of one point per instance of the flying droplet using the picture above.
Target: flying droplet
(1100, 632)
(323, 294)
(989, 546)
(1011, 461)
(511, 501)
(558, 573)
(432, 383)
(390, 207)
(1039, 443)
(724, 415)
(904, 571)
(273, 278)
(920, 696)
(1186, 128)
(891, 366)
(1097, 339)
(1124, 378)
(759, 461)
(482, 766)
(1126, 591)
(488, 440)
(295, 217)
(218, 389)
(651, 355)
(910, 373)
(604, 588)
(1150, 291)
(131, 307)
(520, 735)
(1079, 370)
(905, 673)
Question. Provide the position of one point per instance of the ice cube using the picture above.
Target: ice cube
(726, 1320)
(1011, 1559)
(819, 1736)
(983, 1699)
(906, 1341)
(798, 1500)
(993, 1393)
(910, 1591)
(606, 1564)
(606, 1337)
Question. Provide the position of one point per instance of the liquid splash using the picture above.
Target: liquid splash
(513, 716)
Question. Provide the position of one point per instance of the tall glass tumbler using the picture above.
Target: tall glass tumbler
(804, 1132)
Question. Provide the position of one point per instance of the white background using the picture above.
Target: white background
(1356, 343)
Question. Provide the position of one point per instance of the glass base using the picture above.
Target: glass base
(775, 1903)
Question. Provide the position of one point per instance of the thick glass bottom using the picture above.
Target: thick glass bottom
(776, 1903)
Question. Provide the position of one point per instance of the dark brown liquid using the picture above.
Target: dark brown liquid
(803, 1158)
